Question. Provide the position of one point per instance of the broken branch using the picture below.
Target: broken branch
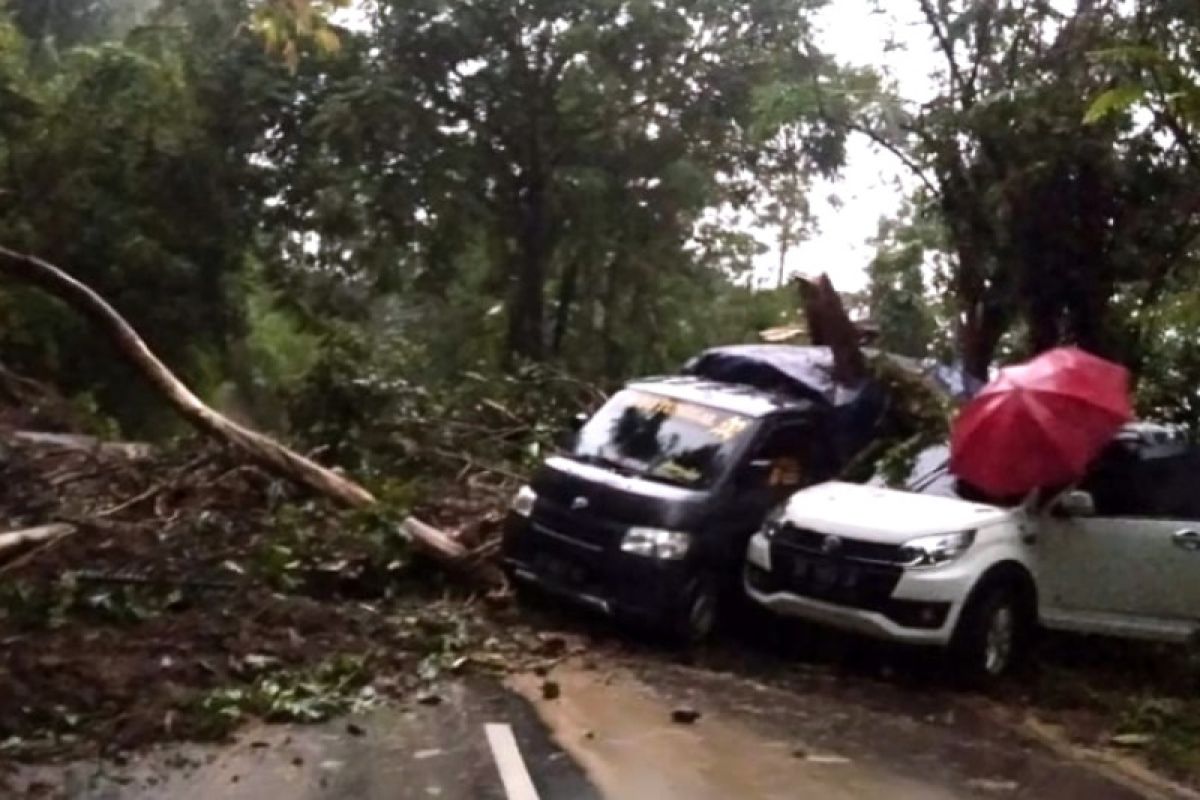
(259, 448)
(26, 537)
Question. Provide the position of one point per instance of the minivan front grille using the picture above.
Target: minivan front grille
(587, 528)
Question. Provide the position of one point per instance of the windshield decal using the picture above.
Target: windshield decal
(725, 426)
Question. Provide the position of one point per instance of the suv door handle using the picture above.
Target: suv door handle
(1187, 540)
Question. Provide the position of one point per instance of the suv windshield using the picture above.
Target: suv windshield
(651, 436)
(930, 474)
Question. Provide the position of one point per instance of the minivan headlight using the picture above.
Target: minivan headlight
(774, 520)
(657, 543)
(522, 504)
(932, 551)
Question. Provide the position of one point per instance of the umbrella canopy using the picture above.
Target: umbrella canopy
(1040, 423)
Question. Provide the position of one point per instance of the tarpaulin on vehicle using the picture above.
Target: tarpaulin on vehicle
(804, 371)
(808, 371)
(799, 371)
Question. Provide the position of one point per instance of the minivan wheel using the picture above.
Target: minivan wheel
(696, 620)
(992, 633)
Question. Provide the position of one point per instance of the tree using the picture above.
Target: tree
(545, 109)
(125, 161)
(1049, 218)
(897, 292)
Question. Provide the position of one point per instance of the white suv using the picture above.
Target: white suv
(1117, 555)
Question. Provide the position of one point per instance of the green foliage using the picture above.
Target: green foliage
(1170, 369)
(1063, 217)
(127, 168)
(898, 297)
(551, 192)
(288, 26)
(1116, 100)
(50, 605)
(334, 687)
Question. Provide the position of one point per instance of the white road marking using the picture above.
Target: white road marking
(513, 774)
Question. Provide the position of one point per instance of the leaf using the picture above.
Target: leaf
(327, 41)
(1113, 101)
(291, 56)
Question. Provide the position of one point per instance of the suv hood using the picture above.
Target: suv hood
(885, 515)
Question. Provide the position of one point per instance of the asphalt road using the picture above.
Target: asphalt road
(615, 723)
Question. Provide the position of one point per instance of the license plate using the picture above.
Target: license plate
(820, 577)
(562, 571)
(824, 576)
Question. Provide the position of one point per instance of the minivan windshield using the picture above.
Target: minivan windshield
(656, 437)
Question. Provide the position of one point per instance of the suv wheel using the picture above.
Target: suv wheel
(992, 633)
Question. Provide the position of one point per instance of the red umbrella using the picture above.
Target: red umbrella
(1040, 423)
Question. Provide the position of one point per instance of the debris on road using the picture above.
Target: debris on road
(217, 593)
(685, 716)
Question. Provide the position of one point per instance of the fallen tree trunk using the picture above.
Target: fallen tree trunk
(14, 541)
(83, 444)
(266, 452)
(441, 547)
(259, 448)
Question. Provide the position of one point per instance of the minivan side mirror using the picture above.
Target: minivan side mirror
(754, 474)
(1076, 503)
(570, 437)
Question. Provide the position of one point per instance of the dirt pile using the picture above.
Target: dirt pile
(196, 592)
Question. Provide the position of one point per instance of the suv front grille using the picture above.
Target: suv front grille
(806, 541)
(856, 573)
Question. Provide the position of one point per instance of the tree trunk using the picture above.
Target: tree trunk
(13, 542)
(260, 449)
(526, 308)
(566, 298)
(830, 325)
(268, 453)
(978, 337)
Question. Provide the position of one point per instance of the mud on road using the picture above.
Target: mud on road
(628, 722)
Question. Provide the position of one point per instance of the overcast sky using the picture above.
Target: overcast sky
(867, 188)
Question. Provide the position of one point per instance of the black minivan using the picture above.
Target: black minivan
(646, 515)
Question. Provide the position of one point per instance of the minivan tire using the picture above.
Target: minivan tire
(993, 633)
(696, 619)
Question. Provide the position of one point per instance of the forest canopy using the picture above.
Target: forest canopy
(303, 206)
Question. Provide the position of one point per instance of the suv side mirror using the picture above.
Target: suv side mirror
(1076, 504)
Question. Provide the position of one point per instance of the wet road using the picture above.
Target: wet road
(421, 751)
(604, 728)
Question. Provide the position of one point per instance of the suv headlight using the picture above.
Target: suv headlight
(932, 551)
(522, 504)
(657, 543)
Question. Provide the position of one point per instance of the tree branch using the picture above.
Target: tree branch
(907, 160)
(965, 91)
(261, 449)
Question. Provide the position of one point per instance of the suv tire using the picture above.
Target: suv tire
(993, 632)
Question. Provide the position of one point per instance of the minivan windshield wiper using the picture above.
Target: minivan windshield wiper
(597, 460)
(658, 472)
